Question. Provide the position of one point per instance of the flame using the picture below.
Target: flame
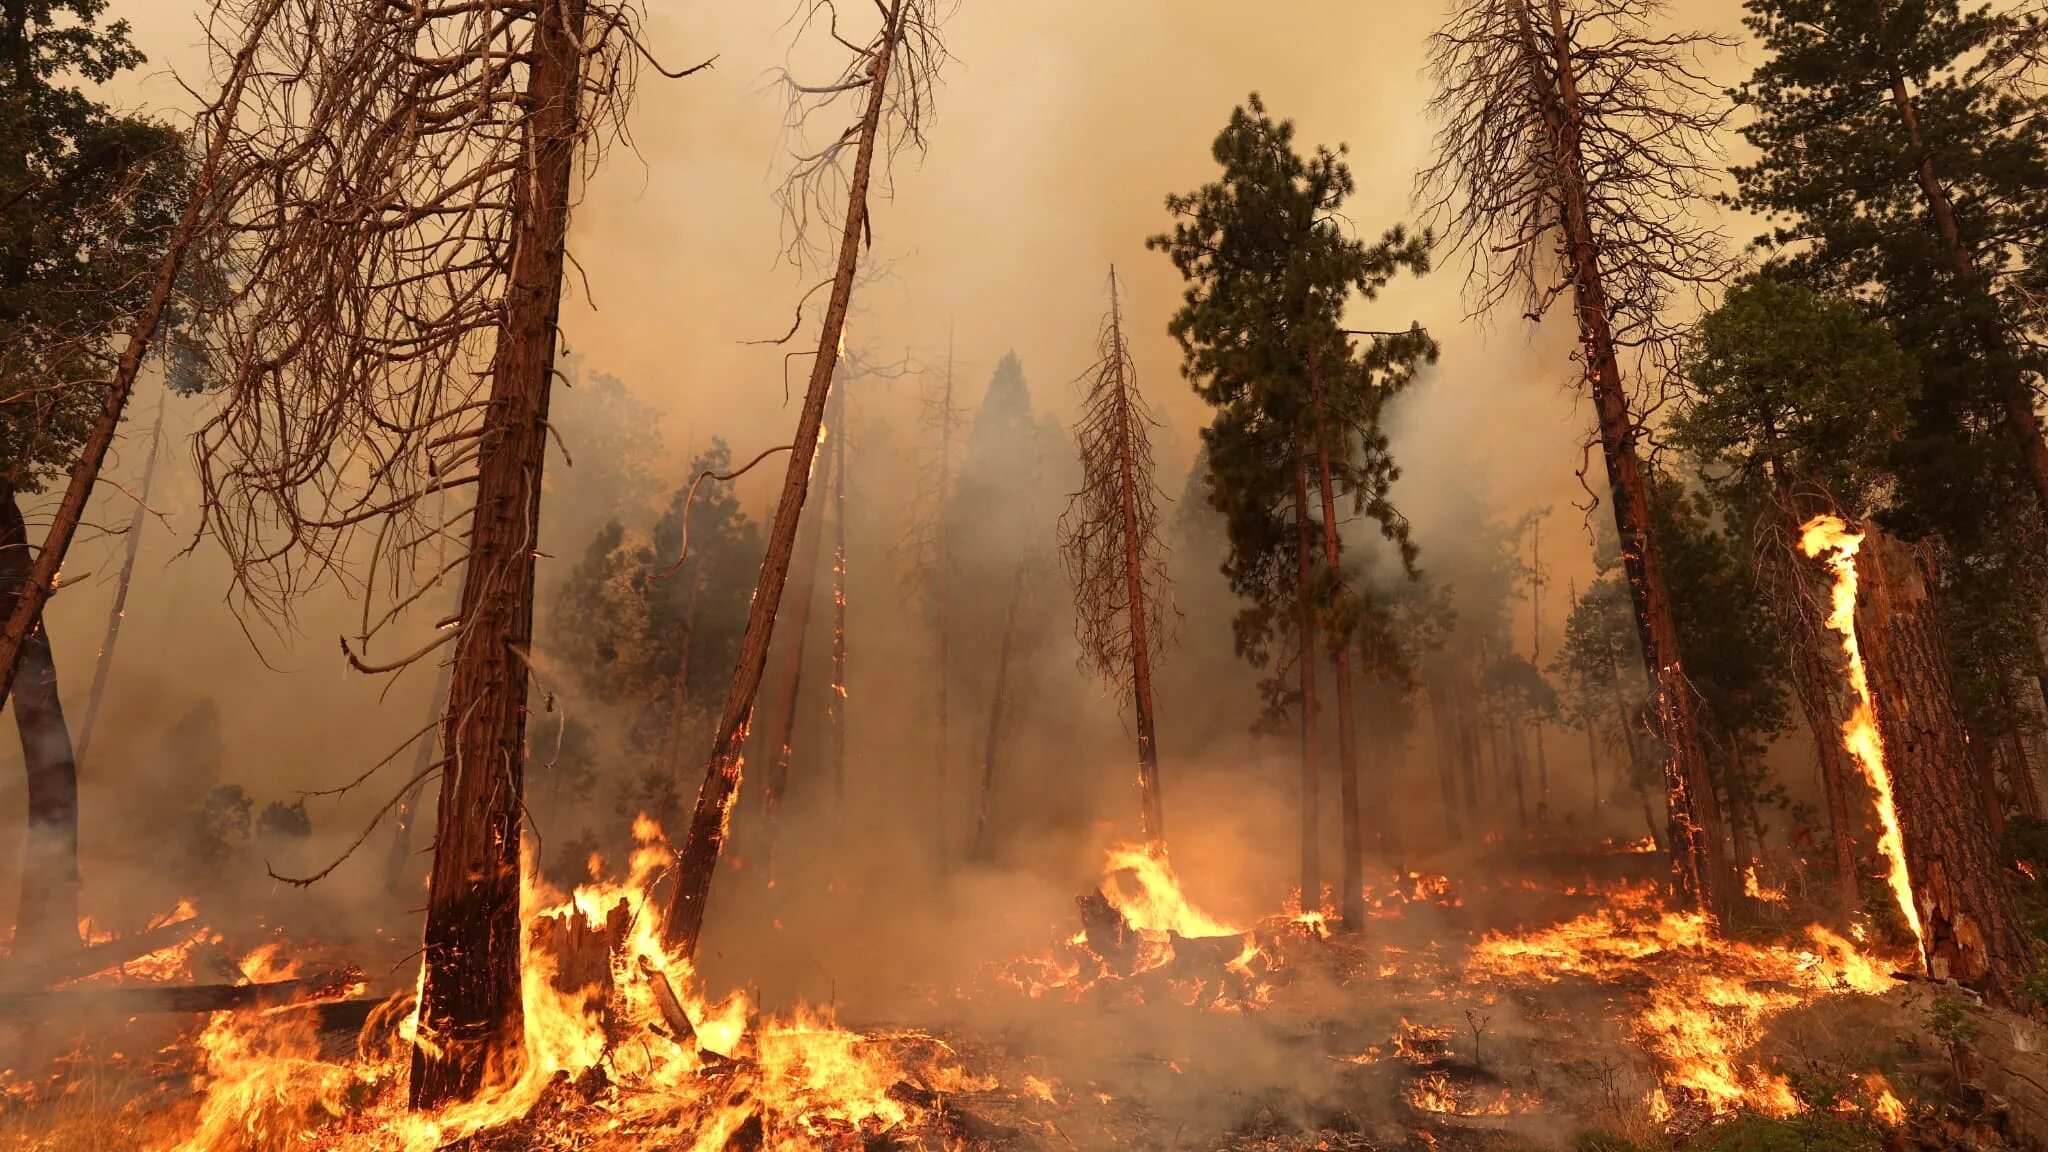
(1884, 1103)
(1756, 889)
(1860, 734)
(1158, 905)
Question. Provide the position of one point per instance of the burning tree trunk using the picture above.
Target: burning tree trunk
(1351, 905)
(983, 844)
(46, 922)
(105, 663)
(470, 1013)
(1605, 174)
(1305, 656)
(1109, 536)
(777, 781)
(1970, 930)
(906, 46)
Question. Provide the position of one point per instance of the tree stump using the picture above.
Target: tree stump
(584, 958)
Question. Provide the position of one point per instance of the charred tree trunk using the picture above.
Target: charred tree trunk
(408, 807)
(1352, 905)
(104, 665)
(776, 782)
(47, 920)
(470, 1018)
(698, 862)
(1518, 765)
(984, 846)
(1152, 806)
(1699, 851)
(1815, 677)
(24, 621)
(1972, 932)
(1311, 772)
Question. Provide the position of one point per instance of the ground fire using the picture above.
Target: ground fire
(952, 576)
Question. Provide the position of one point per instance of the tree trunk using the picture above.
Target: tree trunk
(835, 705)
(1518, 766)
(408, 807)
(1311, 773)
(1593, 762)
(776, 782)
(699, 859)
(105, 663)
(470, 1019)
(1444, 732)
(1468, 754)
(1699, 851)
(25, 620)
(984, 846)
(1151, 806)
(1352, 905)
(1971, 930)
(46, 922)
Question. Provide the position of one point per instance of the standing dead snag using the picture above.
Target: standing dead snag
(1575, 143)
(894, 73)
(397, 211)
(103, 665)
(777, 778)
(835, 704)
(1970, 931)
(999, 703)
(1109, 536)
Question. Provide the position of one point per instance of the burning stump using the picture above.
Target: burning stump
(583, 957)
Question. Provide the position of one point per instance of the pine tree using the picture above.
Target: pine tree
(1271, 268)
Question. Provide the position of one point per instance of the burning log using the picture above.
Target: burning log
(672, 1011)
(98, 958)
(1107, 933)
(178, 998)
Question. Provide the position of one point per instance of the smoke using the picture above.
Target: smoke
(1061, 127)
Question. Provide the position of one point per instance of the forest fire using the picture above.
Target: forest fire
(1830, 535)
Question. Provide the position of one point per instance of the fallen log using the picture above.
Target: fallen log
(97, 958)
(155, 999)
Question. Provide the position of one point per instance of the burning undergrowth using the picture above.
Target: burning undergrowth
(1152, 1018)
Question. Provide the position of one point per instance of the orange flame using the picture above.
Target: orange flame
(1860, 734)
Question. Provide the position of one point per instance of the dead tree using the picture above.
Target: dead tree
(1575, 144)
(893, 74)
(1970, 930)
(24, 617)
(1109, 537)
(835, 704)
(933, 541)
(401, 195)
(103, 665)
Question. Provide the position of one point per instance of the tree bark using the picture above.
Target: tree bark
(698, 863)
(1972, 932)
(984, 845)
(470, 1017)
(776, 782)
(1352, 905)
(1151, 806)
(103, 666)
(1311, 772)
(1698, 835)
(46, 923)
(25, 619)
(1816, 677)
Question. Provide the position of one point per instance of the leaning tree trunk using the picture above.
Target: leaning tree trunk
(25, 619)
(776, 783)
(47, 919)
(1971, 931)
(1311, 773)
(1352, 904)
(983, 842)
(684, 923)
(104, 665)
(1698, 836)
(470, 1019)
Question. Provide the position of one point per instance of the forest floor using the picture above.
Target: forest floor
(1559, 1006)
